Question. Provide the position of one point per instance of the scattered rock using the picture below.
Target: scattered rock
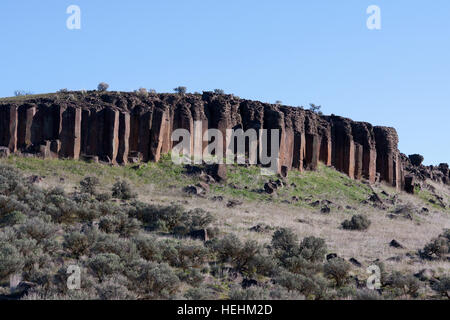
(34, 179)
(4, 152)
(234, 203)
(194, 190)
(325, 210)
(315, 203)
(200, 235)
(217, 198)
(270, 188)
(395, 244)
(247, 283)
(331, 256)
(204, 186)
(261, 228)
(295, 199)
(425, 274)
(355, 262)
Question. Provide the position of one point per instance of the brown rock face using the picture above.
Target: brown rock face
(118, 127)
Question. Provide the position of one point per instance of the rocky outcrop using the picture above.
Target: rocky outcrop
(127, 127)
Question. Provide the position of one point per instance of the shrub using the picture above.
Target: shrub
(38, 229)
(120, 224)
(200, 293)
(443, 286)
(416, 159)
(180, 90)
(313, 249)
(89, 185)
(148, 248)
(12, 218)
(105, 264)
(312, 287)
(240, 255)
(115, 288)
(122, 190)
(252, 293)
(171, 218)
(358, 222)
(102, 86)
(438, 247)
(403, 284)
(111, 243)
(157, 280)
(10, 260)
(315, 109)
(367, 294)
(77, 243)
(219, 91)
(337, 269)
(141, 92)
(285, 243)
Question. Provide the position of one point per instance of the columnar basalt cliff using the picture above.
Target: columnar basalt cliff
(122, 127)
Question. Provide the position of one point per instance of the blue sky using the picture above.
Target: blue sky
(294, 51)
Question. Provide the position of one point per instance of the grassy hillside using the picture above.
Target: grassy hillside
(148, 236)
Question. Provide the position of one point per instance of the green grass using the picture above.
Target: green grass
(162, 174)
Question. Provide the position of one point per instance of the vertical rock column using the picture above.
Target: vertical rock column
(343, 146)
(112, 134)
(71, 133)
(26, 114)
(124, 137)
(8, 127)
(159, 134)
(388, 162)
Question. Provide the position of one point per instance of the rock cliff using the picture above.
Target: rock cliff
(122, 127)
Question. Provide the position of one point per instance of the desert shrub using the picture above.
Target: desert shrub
(103, 197)
(219, 91)
(105, 264)
(443, 286)
(172, 218)
(121, 224)
(367, 294)
(157, 280)
(38, 229)
(240, 255)
(77, 243)
(278, 292)
(148, 248)
(102, 86)
(112, 243)
(416, 159)
(141, 92)
(313, 249)
(438, 247)
(12, 218)
(252, 293)
(122, 190)
(402, 284)
(316, 109)
(358, 222)
(190, 256)
(115, 287)
(180, 90)
(89, 185)
(312, 287)
(337, 269)
(10, 260)
(191, 276)
(285, 243)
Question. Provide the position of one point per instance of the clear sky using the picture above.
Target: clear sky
(295, 51)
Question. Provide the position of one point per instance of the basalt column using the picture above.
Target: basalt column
(124, 138)
(71, 133)
(388, 162)
(111, 134)
(8, 127)
(26, 114)
(343, 146)
(160, 133)
(312, 142)
(299, 148)
(364, 136)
